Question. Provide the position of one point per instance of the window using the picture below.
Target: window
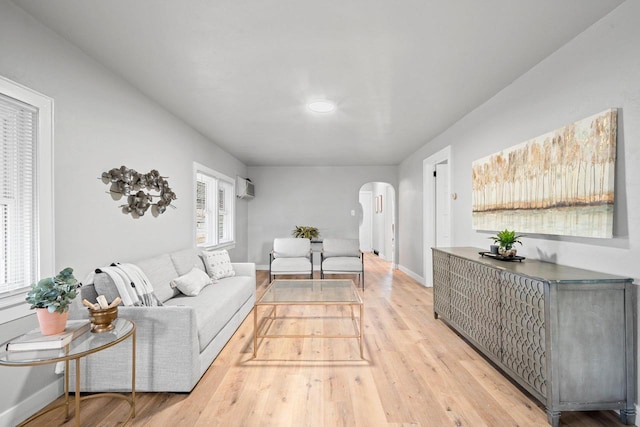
(26, 194)
(214, 210)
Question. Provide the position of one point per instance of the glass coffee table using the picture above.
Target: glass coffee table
(322, 292)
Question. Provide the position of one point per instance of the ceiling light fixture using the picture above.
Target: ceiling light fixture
(322, 106)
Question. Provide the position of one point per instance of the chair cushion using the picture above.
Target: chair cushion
(349, 264)
(340, 247)
(216, 305)
(291, 266)
(218, 264)
(291, 247)
(192, 283)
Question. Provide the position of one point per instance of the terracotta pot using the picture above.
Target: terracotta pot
(51, 323)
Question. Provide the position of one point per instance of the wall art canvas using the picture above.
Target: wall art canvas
(559, 183)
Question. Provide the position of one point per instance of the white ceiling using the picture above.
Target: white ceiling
(241, 71)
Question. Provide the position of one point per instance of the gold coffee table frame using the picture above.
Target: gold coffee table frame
(86, 344)
(323, 292)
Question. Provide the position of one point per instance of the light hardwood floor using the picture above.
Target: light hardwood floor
(416, 372)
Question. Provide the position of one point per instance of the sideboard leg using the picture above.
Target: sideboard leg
(435, 315)
(554, 418)
(628, 416)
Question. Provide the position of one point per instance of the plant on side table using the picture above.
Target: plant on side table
(506, 239)
(305, 232)
(50, 297)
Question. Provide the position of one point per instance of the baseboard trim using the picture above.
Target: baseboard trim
(32, 404)
(411, 274)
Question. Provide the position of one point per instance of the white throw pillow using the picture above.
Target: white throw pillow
(218, 264)
(192, 283)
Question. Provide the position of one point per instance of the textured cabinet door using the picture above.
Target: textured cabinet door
(485, 296)
(441, 288)
(523, 329)
(461, 291)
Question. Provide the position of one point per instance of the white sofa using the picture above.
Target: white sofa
(176, 342)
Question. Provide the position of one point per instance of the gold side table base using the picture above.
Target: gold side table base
(77, 398)
(76, 350)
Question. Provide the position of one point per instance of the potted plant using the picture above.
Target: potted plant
(506, 239)
(50, 297)
(305, 232)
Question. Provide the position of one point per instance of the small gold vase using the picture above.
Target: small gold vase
(102, 319)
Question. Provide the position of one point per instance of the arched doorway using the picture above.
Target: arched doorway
(378, 221)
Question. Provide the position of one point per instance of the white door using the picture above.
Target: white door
(443, 221)
(366, 227)
(436, 220)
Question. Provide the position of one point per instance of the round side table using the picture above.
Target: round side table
(86, 344)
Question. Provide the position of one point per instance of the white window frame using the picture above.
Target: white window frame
(13, 304)
(214, 203)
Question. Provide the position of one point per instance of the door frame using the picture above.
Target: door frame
(369, 231)
(428, 211)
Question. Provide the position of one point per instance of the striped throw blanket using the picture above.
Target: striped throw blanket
(133, 285)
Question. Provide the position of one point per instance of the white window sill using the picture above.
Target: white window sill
(13, 307)
(229, 245)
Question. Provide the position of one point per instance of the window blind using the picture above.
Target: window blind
(18, 206)
(214, 209)
(225, 212)
(203, 213)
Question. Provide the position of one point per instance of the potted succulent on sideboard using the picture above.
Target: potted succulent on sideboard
(50, 297)
(506, 239)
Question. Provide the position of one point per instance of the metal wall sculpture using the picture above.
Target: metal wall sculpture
(132, 184)
(559, 183)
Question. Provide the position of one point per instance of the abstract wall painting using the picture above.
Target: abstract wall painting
(559, 183)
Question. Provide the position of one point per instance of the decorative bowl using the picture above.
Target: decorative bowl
(102, 319)
(508, 253)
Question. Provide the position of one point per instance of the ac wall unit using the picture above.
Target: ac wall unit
(245, 188)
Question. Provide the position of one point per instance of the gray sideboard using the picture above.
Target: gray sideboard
(564, 334)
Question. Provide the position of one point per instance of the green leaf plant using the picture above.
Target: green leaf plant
(506, 239)
(54, 293)
(305, 231)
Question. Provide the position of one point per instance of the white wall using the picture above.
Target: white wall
(597, 70)
(318, 196)
(102, 122)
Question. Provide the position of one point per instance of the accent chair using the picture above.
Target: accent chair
(342, 256)
(290, 255)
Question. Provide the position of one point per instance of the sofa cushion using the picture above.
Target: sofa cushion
(103, 285)
(218, 264)
(192, 283)
(161, 272)
(186, 260)
(216, 304)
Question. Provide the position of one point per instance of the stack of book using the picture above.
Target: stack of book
(34, 340)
